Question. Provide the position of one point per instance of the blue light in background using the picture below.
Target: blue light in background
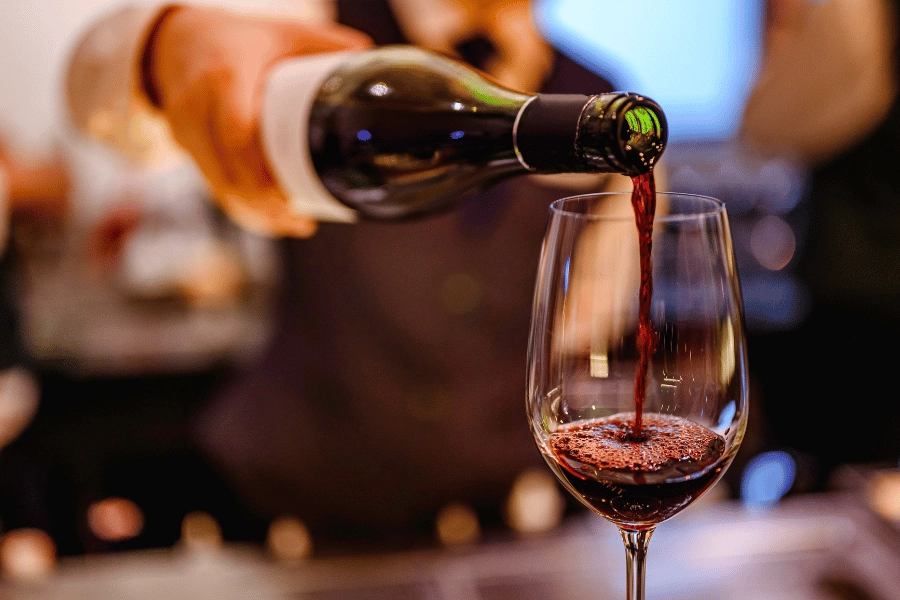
(767, 478)
(774, 302)
(727, 416)
(697, 59)
(363, 135)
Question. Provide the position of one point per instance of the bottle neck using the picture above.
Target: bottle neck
(608, 133)
(544, 132)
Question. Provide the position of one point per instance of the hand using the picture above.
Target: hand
(208, 67)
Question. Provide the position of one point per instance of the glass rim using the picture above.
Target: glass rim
(715, 207)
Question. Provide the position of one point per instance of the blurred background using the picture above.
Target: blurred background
(130, 299)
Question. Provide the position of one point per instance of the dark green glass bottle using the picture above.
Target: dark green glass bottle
(398, 132)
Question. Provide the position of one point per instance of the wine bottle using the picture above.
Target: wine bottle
(398, 131)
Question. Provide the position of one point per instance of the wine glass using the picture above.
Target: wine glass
(637, 417)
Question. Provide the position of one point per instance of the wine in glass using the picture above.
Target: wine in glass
(637, 367)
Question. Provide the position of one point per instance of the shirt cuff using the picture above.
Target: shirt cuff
(104, 86)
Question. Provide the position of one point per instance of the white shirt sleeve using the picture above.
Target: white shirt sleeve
(104, 95)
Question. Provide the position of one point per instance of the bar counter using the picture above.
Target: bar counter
(830, 546)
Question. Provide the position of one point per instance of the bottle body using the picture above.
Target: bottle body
(398, 132)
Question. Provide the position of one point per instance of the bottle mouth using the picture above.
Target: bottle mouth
(643, 133)
(640, 134)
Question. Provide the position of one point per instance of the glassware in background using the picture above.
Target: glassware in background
(637, 464)
(145, 276)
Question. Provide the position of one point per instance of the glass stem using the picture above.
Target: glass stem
(636, 543)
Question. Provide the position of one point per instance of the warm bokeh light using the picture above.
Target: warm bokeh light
(27, 554)
(115, 519)
(883, 494)
(288, 540)
(457, 525)
(214, 277)
(18, 402)
(200, 531)
(535, 504)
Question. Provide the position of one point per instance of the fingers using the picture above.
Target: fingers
(210, 65)
(238, 92)
(231, 160)
(267, 215)
(192, 125)
(235, 131)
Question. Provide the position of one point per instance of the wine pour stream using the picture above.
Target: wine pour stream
(643, 200)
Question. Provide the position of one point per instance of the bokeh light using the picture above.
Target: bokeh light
(27, 554)
(535, 504)
(767, 478)
(457, 525)
(115, 519)
(772, 242)
(289, 540)
(883, 494)
(201, 532)
(19, 395)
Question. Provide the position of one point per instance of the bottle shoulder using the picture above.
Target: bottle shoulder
(400, 73)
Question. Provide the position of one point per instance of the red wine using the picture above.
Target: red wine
(643, 200)
(399, 131)
(638, 483)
